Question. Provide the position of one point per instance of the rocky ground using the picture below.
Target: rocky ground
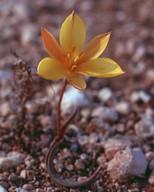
(115, 122)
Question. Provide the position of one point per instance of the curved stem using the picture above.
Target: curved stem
(65, 182)
(59, 129)
(55, 144)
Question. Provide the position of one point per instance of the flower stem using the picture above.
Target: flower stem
(59, 128)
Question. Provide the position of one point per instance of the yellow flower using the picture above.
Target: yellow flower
(69, 61)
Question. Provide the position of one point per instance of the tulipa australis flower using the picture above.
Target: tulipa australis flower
(68, 60)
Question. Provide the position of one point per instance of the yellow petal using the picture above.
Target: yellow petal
(52, 46)
(95, 47)
(101, 67)
(76, 80)
(72, 34)
(51, 69)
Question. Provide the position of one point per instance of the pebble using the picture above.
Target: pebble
(105, 94)
(83, 140)
(105, 113)
(127, 164)
(79, 164)
(27, 34)
(28, 187)
(29, 161)
(58, 165)
(116, 144)
(73, 98)
(13, 177)
(140, 96)
(20, 190)
(23, 174)
(151, 165)
(69, 167)
(123, 108)
(93, 138)
(13, 159)
(2, 189)
(5, 109)
(31, 175)
(145, 128)
(151, 178)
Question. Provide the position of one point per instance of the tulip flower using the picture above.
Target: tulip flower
(68, 59)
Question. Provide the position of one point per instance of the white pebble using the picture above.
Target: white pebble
(140, 95)
(73, 98)
(123, 108)
(105, 94)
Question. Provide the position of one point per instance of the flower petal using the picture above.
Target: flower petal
(52, 46)
(72, 34)
(95, 47)
(76, 80)
(51, 69)
(101, 67)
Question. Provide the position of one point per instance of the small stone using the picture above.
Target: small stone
(83, 140)
(43, 165)
(44, 120)
(5, 109)
(28, 187)
(151, 178)
(83, 156)
(79, 164)
(140, 96)
(123, 108)
(105, 94)
(27, 34)
(40, 190)
(13, 177)
(23, 174)
(140, 51)
(151, 165)
(58, 165)
(149, 75)
(66, 153)
(20, 190)
(145, 128)
(29, 161)
(69, 167)
(2, 189)
(30, 175)
(116, 144)
(73, 98)
(127, 164)
(93, 138)
(13, 159)
(105, 113)
(149, 155)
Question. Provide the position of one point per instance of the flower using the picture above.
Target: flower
(69, 61)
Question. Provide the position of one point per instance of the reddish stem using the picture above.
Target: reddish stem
(59, 128)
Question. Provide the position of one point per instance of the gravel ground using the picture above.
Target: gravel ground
(115, 122)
